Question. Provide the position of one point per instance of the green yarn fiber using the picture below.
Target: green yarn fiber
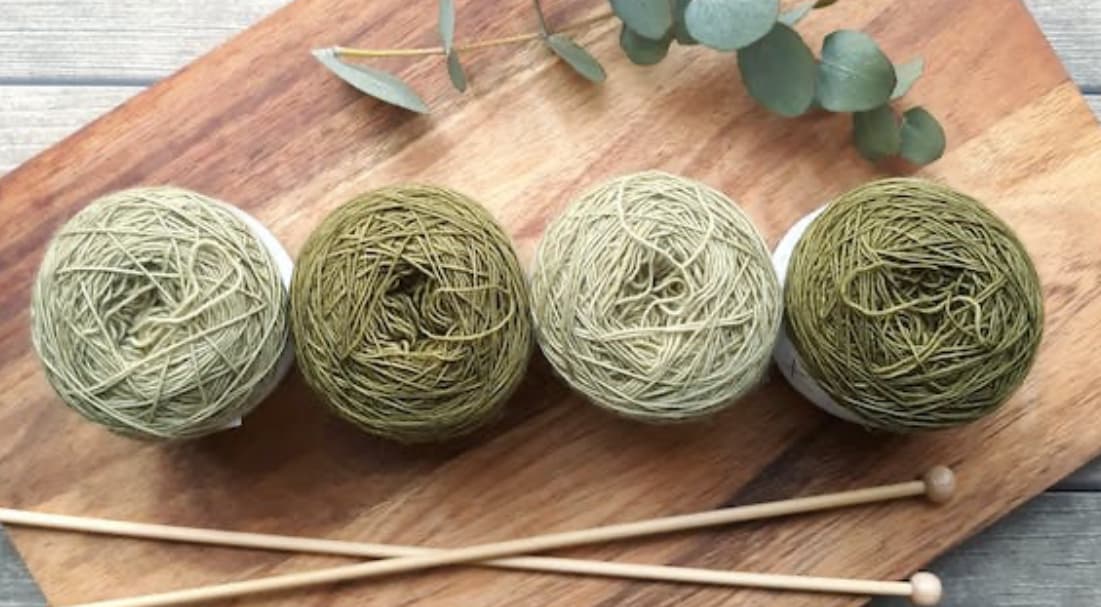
(157, 313)
(654, 297)
(410, 313)
(913, 306)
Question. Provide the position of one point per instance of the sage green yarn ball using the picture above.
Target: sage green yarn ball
(654, 297)
(913, 306)
(410, 313)
(157, 313)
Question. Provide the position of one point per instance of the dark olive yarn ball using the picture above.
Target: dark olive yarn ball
(913, 306)
(410, 313)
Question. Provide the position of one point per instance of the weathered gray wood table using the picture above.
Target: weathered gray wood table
(64, 62)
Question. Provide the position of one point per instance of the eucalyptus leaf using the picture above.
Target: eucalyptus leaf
(680, 28)
(795, 15)
(646, 18)
(853, 74)
(779, 71)
(728, 25)
(876, 133)
(455, 71)
(824, 3)
(906, 75)
(641, 50)
(447, 24)
(922, 137)
(578, 58)
(376, 83)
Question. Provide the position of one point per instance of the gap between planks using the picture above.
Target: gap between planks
(143, 39)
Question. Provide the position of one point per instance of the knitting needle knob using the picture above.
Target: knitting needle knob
(940, 484)
(926, 589)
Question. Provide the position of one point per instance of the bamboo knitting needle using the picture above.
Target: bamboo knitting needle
(938, 485)
(923, 589)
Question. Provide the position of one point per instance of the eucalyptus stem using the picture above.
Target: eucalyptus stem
(471, 46)
(543, 29)
(778, 68)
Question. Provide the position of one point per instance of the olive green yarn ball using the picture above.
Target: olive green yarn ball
(410, 313)
(913, 306)
(159, 314)
(654, 297)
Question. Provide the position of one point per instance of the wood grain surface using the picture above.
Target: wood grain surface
(1045, 554)
(1074, 28)
(65, 62)
(64, 40)
(258, 123)
(16, 586)
(36, 115)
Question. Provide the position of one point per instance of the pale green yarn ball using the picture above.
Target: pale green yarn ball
(654, 297)
(159, 314)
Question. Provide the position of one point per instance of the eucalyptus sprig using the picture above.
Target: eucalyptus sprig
(779, 70)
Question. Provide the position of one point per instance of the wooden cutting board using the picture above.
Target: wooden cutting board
(259, 123)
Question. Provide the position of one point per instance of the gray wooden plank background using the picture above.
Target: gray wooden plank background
(64, 62)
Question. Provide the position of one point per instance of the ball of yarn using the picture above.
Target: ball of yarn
(410, 313)
(913, 306)
(654, 297)
(158, 313)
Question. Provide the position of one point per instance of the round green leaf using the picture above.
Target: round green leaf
(646, 18)
(641, 50)
(455, 71)
(922, 137)
(907, 74)
(728, 25)
(376, 83)
(853, 75)
(576, 57)
(779, 70)
(680, 28)
(876, 133)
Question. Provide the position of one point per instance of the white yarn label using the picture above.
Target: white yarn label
(285, 266)
(787, 359)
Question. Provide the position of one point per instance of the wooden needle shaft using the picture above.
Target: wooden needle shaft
(411, 559)
(301, 545)
(341, 574)
(539, 543)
